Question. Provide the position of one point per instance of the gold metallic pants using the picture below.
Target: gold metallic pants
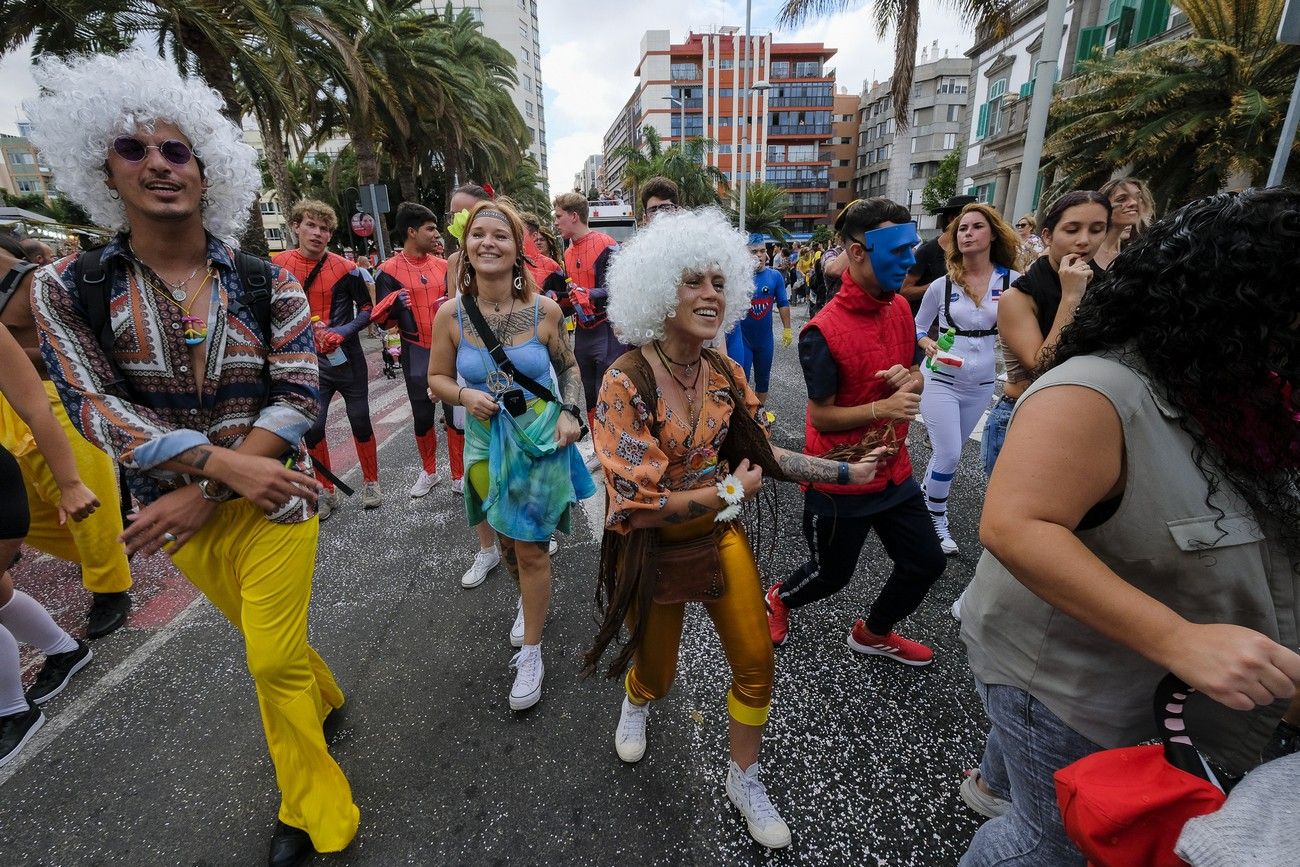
(741, 622)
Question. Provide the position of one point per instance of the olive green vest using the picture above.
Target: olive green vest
(1166, 541)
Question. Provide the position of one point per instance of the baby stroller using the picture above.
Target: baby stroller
(390, 351)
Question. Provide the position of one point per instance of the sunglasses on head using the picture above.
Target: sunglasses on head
(178, 153)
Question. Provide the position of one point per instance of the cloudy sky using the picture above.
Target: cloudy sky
(589, 52)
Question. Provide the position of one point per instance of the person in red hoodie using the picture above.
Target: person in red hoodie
(862, 369)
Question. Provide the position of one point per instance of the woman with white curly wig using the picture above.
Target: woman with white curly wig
(682, 448)
(193, 366)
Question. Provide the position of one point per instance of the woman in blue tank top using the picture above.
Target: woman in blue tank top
(523, 469)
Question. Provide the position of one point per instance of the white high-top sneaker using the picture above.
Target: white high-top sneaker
(517, 628)
(941, 530)
(484, 562)
(629, 737)
(746, 791)
(527, 689)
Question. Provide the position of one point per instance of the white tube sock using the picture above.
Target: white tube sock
(11, 676)
(31, 624)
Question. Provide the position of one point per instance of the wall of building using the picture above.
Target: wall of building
(842, 151)
(23, 174)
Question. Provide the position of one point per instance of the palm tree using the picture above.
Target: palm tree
(765, 206)
(1190, 115)
(526, 187)
(903, 16)
(697, 183)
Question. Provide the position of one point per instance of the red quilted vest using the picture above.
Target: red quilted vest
(865, 336)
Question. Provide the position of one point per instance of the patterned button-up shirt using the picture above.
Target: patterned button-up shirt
(142, 406)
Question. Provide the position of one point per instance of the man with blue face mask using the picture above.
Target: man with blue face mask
(862, 369)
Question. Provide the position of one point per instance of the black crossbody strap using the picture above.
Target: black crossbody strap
(490, 342)
(311, 276)
(947, 309)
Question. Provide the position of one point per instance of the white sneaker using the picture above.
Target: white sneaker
(527, 690)
(956, 606)
(946, 543)
(484, 562)
(326, 503)
(424, 484)
(553, 546)
(746, 791)
(371, 496)
(517, 629)
(458, 486)
(629, 737)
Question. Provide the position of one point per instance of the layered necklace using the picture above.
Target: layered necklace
(196, 329)
(688, 391)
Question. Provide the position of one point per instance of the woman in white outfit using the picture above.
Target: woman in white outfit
(984, 250)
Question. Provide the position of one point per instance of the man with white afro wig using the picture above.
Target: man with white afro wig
(193, 366)
(645, 274)
(88, 102)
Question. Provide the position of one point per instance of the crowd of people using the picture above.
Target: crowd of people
(1142, 515)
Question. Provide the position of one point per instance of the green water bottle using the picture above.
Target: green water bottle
(946, 340)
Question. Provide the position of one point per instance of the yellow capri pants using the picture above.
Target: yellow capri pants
(91, 543)
(259, 573)
(739, 617)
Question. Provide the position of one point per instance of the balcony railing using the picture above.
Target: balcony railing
(801, 101)
(820, 129)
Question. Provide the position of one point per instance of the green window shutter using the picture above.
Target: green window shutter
(1124, 35)
(1152, 19)
(1091, 40)
(1027, 89)
(982, 127)
(993, 188)
(1038, 192)
(997, 88)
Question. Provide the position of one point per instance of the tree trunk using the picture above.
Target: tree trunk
(277, 163)
(406, 181)
(216, 70)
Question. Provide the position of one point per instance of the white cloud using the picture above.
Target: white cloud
(16, 85)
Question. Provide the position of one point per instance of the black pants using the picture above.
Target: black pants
(415, 367)
(15, 520)
(835, 543)
(352, 380)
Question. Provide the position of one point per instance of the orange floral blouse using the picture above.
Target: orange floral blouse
(640, 469)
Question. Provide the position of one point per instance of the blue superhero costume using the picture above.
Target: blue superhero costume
(751, 343)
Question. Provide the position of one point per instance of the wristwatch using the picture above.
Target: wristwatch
(213, 491)
(578, 415)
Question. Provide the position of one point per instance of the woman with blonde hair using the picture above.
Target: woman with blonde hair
(1132, 208)
(503, 338)
(678, 436)
(1031, 246)
(983, 251)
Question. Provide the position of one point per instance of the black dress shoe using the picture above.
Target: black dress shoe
(290, 846)
(107, 613)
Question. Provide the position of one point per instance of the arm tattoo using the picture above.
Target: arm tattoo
(693, 510)
(196, 457)
(566, 368)
(802, 468)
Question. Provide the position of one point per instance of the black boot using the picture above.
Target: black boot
(290, 846)
(107, 613)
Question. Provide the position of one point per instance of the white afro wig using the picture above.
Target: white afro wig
(647, 270)
(88, 101)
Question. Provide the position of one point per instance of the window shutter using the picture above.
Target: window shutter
(1091, 41)
(981, 129)
(1152, 18)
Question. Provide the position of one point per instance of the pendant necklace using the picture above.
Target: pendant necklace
(688, 391)
(686, 366)
(176, 289)
(195, 328)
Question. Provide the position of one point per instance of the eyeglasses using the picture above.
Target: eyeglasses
(663, 208)
(133, 150)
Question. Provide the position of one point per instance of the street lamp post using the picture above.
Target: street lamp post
(1036, 128)
(750, 86)
(681, 102)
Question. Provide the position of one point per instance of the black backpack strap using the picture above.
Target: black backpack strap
(10, 282)
(255, 275)
(94, 287)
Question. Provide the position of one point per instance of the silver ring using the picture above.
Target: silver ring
(169, 537)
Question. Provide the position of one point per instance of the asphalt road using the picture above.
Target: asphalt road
(155, 756)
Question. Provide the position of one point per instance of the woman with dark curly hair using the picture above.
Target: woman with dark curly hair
(1145, 518)
(1042, 301)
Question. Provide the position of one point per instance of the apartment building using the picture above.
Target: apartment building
(1002, 80)
(775, 132)
(841, 152)
(897, 164)
(21, 170)
(592, 175)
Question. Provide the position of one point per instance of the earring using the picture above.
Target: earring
(519, 281)
(114, 195)
(465, 276)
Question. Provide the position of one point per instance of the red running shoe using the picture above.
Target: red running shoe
(893, 645)
(778, 616)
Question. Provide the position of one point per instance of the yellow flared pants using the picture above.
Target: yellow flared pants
(741, 622)
(259, 574)
(91, 543)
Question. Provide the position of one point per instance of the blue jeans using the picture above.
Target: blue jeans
(1027, 744)
(995, 433)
